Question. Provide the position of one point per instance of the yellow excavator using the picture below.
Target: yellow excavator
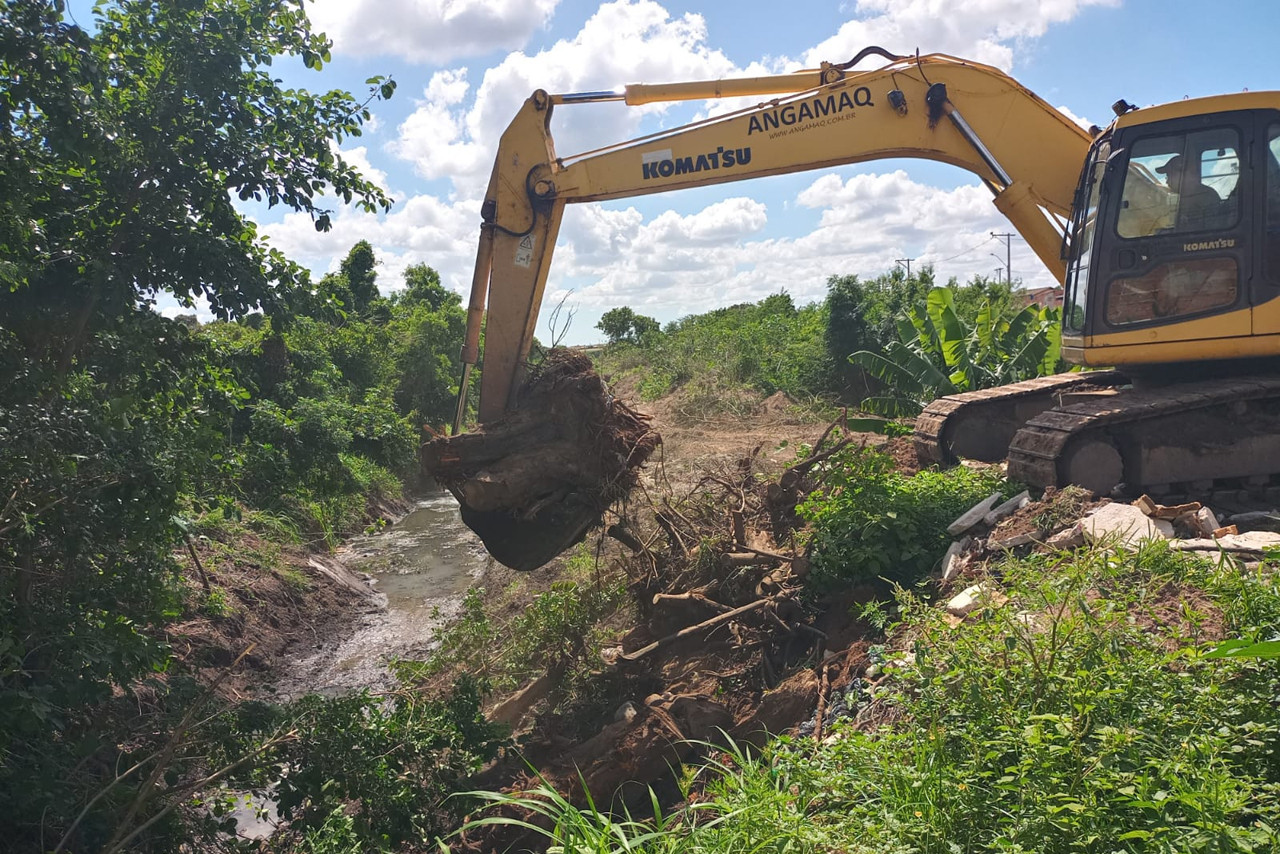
(1164, 229)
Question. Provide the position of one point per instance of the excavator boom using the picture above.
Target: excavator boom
(935, 107)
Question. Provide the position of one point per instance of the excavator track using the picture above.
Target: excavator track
(979, 425)
(1184, 438)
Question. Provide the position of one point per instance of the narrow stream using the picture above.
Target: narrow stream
(419, 568)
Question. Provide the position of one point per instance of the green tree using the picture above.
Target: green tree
(422, 286)
(622, 324)
(123, 150)
(361, 278)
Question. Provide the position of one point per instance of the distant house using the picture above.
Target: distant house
(1043, 297)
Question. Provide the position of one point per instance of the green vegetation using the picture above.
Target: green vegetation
(889, 344)
(557, 630)
(400, 758)
(125, 148)
(869, 521)
(720, 359)
(938, 353)
(1080, 716)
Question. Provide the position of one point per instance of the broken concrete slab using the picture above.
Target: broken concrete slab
(1013, 541)
(1008, 508)
(1068, 538)
(973, 515)
(1126, 524)
(1206, 522)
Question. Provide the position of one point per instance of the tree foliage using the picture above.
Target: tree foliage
(124, 150)
(622, 324)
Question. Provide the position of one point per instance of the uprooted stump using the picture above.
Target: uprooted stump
(533, 482)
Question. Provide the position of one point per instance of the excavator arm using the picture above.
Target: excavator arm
(934, 107)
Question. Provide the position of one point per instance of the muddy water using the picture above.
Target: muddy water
(417, 570)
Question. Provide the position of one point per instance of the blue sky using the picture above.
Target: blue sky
(464, 66)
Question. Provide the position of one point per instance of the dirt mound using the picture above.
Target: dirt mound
(533, 482)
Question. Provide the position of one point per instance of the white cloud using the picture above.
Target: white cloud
(422, 230)
(623, 42)
(429, 31)
(976, 29)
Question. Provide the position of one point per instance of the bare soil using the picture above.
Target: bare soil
(272, 602)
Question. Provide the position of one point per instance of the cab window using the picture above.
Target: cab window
(1271, 247)
(1181, 183)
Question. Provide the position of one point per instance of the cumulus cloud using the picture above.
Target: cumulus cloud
(359, 158)
(424, 229)
(429, 31)
(626, 41)
(982, 30)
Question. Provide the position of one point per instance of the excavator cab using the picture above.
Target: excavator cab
(1173, 253)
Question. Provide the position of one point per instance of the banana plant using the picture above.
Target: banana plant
(938, 353)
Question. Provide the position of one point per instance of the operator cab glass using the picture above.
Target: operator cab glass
(1172, 218)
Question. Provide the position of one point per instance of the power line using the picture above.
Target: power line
(965, 252)
(907, 261)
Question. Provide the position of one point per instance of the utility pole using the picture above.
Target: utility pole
(907, 262)
(1008, 255)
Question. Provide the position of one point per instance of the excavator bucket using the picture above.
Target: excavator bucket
(535, 481)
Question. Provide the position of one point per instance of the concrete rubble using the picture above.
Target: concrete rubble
(973, 598)
(1124, 524)
(1189, 526)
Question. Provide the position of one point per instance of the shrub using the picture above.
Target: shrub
(870, 522)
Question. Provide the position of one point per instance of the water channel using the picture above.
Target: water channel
(417, 570)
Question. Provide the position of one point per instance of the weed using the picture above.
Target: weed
(1082, 717)
(1063, 508)
(216, 604)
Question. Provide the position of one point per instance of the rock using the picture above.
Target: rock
(973, 515)
(951, 561)
(1225, 531)
(973, 598)
(1261, 520)
(1206, 522)
(1013, 505)
(626, 712)
(1068, 538)
(1124, 524)
(1014, 540)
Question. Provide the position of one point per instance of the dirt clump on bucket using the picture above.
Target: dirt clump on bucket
(533, 482)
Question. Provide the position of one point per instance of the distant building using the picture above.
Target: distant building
(1043, 297)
